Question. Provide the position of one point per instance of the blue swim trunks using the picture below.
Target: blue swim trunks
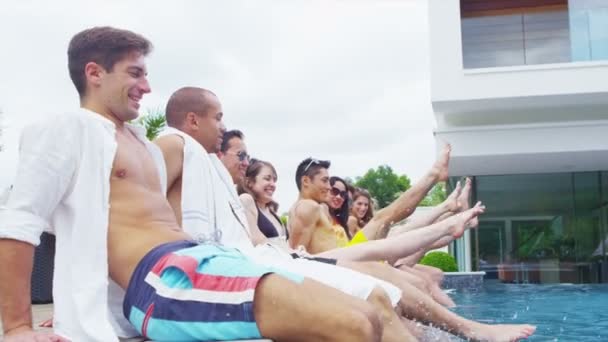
(182, 291)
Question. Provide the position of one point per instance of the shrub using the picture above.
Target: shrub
(441, 260)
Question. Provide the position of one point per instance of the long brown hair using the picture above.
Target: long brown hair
(359, 192)
(253, 170)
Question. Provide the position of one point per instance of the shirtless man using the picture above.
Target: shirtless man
(310, 227)
(95, 179)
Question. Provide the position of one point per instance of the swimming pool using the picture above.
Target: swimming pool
(561, 312)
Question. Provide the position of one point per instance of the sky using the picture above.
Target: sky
(343, 80)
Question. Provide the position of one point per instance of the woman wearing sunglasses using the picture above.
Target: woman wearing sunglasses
(338, 206)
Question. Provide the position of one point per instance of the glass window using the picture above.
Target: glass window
(542, 228)
(511, 33)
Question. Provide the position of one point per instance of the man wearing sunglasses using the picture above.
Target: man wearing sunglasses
(233, 154)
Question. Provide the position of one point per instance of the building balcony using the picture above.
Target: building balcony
(497, 63)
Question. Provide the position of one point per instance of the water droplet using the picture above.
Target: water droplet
(565, 317)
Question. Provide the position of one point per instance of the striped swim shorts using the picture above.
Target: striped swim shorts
(182, 291)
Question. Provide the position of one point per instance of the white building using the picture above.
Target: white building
(520, 89)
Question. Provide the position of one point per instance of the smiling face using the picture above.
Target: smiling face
(317, 185)
(264, 184)
(337, 195)
(360, 206)
(236, 159)
(117, 92)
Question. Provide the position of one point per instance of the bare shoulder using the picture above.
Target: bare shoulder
(352, 220)
(247, 200)
(306, 208)
(171, 143)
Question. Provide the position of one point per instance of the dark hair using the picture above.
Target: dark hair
(184, 101)
(253, 170)
(310, 167)
(104, 46)
(341, 215)
(228, 135)
(360, 192)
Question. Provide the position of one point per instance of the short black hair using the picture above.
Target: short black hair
(310, 167)
(233, 133)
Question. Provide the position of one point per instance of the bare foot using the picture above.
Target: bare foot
(463, 200)
(459, 223)
(501, 332)
(465, 195)
(452, 203)
(440, 169)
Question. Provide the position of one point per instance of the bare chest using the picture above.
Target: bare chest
(133, 163)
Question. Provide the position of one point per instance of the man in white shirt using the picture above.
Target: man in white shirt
(99, 184)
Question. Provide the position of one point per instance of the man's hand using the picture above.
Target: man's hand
(28, 335)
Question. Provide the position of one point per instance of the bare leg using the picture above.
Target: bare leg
(305, 303)
(345, 318)
(408, 243)
(434, 273)
(463, 200)
(418, 306)
(394, 330)
(435, 290)
(404, 206)
(397, 277)
(448, 207)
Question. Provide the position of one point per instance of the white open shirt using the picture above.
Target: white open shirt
(63, 186)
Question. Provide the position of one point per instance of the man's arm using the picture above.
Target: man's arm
(172, 147)
(257, 237)
(15, 284)
(48, 159)
(405, 205)
(302, 223)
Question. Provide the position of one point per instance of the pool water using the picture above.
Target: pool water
(561, 312)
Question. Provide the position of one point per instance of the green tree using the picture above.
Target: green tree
(383, 184)
(153, 121)
(437, 195)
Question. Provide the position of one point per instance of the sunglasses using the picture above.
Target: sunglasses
(338, 192)
(242, 156)
(310, 163)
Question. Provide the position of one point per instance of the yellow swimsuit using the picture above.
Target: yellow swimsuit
(358, 238)
(341, 238)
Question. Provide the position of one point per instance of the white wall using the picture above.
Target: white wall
(456, 90)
